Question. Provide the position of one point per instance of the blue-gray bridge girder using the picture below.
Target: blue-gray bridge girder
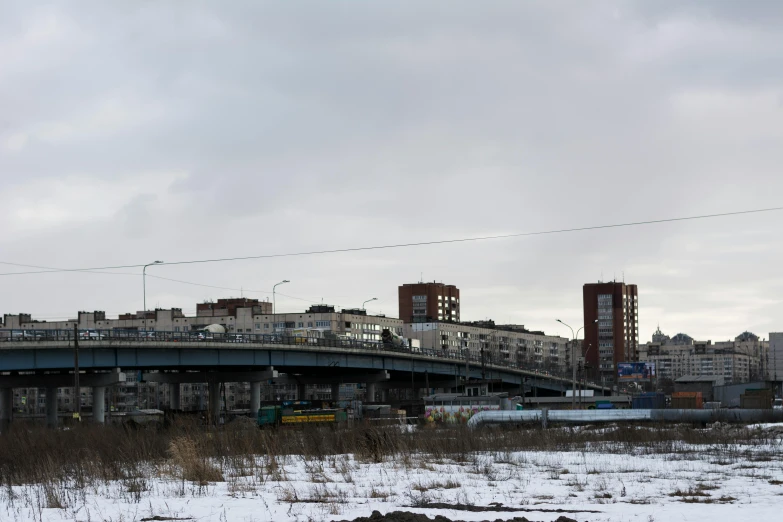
(290, 358)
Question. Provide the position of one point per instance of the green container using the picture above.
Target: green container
(268, 415)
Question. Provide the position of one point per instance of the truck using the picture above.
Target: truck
(306, 335)
(389, 338)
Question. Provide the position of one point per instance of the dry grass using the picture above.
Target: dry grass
(194, 466)
(89, 455)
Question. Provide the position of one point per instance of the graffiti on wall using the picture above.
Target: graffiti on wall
(455, 413)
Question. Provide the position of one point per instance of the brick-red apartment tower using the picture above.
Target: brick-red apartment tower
(615, 337)
(429, 302)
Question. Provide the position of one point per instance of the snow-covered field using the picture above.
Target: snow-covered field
(709, 483)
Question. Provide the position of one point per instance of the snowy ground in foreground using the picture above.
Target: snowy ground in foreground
(715, 483)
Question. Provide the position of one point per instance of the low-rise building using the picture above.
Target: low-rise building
(776, 358)
(237, 315)
(500, 343)
(246, 316)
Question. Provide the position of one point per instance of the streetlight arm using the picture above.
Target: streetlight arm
(572, 330)
(144, 280)
(273, 293)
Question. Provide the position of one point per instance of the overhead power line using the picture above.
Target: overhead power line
(408, 245)
(95, 271)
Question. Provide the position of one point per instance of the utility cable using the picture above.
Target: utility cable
(408, 245)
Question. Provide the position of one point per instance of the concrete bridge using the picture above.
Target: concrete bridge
(46, 360)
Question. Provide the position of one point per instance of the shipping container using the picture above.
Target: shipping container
(689, 394)
(757, 399)
(649, 401)
(687, 403)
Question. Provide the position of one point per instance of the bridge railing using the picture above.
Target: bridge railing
(87, 336)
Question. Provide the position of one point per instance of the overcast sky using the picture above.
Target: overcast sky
(137, 131)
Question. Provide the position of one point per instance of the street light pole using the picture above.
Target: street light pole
(274, 303)
(367, 301)
(144, 280)
(573, 364)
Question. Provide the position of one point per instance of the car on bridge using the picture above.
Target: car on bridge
(90, 335)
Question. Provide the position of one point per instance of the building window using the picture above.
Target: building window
(299, 325)
(309, 324)
(258, 326)
(323, 324)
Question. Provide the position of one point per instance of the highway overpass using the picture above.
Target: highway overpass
(46, 360)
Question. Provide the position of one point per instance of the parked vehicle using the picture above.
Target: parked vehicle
(777, 404)
(90, 335)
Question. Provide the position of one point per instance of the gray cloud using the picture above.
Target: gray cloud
(162, 130)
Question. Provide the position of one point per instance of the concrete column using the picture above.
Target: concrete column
(51, 407)
(336, 391)
(301, 392)
(369, 395)
(99, 404)
(174, 396)
(6, 408)
(255, 398)
(214, 402)
(384, 395)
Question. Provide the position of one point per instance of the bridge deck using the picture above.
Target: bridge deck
(296, 356)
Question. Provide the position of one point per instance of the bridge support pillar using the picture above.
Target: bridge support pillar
(99, 404)
(301, 392)
(369, 392)
(214, 402)
(6, 408)
(51, 407)
(335, 391)
(384, 395)
(255, 398)
(174, 396)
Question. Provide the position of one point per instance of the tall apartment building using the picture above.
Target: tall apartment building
(611, 315)
(428, 302)
(736, 361)
(756, 349)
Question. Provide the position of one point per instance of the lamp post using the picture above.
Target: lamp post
(144, 280)
(367, 301)
(584, 377)
(274, 307)
(573, 364)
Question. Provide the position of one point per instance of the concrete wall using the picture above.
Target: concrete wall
(729, 396)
